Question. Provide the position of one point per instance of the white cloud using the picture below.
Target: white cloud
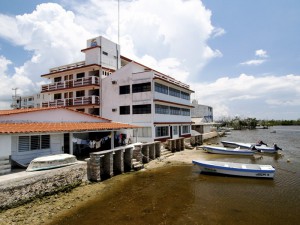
(160, 34)
(253, 62)
(261, 53)
(160, 29)
(246, 95)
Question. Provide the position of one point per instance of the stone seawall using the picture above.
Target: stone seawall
(26, 186)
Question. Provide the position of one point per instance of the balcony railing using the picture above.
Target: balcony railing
(79, 101)
(71, 84)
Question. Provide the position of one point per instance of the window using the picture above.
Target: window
(175, 111)
(143, 87)
(185, 129)
(80, 75)
(175, 130)
(142, 132)
(162, 109)
(80, 93)
(162, 131)
(174, 92)
(125, 89)
(141, 109)
(185, 95)
(161, 88)
(34, 142)
(124, 110)
(185, 112)
(57, 96)
(57, 79)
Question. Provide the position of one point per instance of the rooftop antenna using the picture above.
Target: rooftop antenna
(118, 21)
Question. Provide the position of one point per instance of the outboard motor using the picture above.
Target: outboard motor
(276, 147)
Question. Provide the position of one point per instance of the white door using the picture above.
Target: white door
(175, 132)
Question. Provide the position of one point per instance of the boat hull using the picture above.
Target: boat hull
(236, 169)
(51, 162)
(226, 151)
(231, 144)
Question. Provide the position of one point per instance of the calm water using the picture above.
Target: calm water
(180, 195)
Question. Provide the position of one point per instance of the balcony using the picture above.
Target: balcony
(71, 84)
(69, 102)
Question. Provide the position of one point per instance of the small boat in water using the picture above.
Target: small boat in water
(235, 169)
(232, 144)
(51, 162)
(259, 146)
(227, 151)
(266, 149)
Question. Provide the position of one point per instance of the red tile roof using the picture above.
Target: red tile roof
(17, 111)
(14, 128)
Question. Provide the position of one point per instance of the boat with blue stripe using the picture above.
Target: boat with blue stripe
(227, 151)
(235, 169)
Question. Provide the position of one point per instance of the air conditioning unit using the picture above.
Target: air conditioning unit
(114, 110)
(114, 82)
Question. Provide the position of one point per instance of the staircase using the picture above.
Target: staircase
(5, 166)
(136, 165)
(165, 153)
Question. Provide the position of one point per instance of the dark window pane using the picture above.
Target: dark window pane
(143, 87)
(124, 110)
(124, 89)
(141, 109)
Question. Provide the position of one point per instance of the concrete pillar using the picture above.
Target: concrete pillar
(127, 156)
(106, 166)
(118, 161)
(71, 143)
(157, 149)
(112, 146)
(178, 144)
(137, 153)
(182, 143)
(152, 150)
(94, 167)
(145, 152)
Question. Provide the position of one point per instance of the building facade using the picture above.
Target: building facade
(202, 111)
(142, 96)
(78, 85)
(115, 87)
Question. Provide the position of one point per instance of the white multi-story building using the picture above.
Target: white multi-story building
(202, 111)
(120, 89)
(142, 96)
(78, 85)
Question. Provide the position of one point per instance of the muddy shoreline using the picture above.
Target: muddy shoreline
(46, 209)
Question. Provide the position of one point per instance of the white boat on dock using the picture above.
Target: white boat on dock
(227, 151)
(235, 169)
(51, 162)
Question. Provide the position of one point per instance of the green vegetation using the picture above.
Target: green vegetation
(252, 123)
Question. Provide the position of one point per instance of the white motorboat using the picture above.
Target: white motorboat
(266, 149)
(51, 162)
(232, 144)
(227, 151)
(235, 169)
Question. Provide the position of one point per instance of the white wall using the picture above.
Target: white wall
(56, 143)
(51, 115)
(5, 145)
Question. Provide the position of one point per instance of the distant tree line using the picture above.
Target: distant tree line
(238, 123)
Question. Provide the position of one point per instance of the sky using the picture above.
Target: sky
(240, 57)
